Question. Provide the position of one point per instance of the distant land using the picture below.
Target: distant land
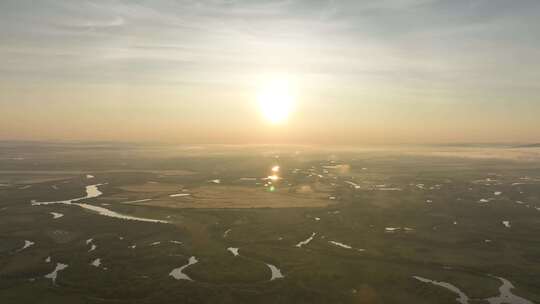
(537, 145)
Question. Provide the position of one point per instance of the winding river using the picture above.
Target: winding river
(92, 191)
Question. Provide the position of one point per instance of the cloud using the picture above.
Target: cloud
(444, 46)
(93, 24)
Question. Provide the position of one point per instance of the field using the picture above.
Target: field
(338, 225)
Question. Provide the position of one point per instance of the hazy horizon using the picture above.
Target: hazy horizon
(508, 144)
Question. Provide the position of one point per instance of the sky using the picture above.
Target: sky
(361, 72)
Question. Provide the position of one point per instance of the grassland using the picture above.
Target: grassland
(441, 229)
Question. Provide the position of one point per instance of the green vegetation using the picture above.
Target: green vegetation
(441, 229)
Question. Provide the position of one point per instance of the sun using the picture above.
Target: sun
(276, 100)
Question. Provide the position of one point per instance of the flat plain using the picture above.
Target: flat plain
(111, 223)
